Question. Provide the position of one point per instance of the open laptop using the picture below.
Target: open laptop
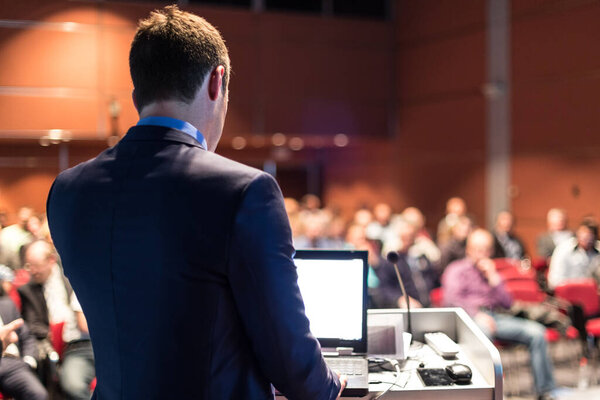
(333, 284)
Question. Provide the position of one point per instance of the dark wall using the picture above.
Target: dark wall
(407, 93)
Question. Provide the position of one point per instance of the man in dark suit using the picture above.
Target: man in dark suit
(181, 258)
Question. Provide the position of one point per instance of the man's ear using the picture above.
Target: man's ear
(215, 82)
(134, 101)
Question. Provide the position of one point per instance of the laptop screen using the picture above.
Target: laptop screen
(333, 287)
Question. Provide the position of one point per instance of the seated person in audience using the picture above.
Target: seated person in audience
(424, 274)
(19, 359)
(578, 257)
(381, 227)
(474, 284)
(455, 208)
(49, 298)
(363, 216)
(310, 203)
(506, 243)
(558, 232)
(313, 232)
(423, 245)
(384, 288)
(13, 238)
(336, 233)
(455, 248)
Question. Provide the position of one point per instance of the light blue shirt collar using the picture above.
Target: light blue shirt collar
(177, 124)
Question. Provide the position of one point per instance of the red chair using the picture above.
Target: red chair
(59, 345)
(56, 337)
(540, 264)
(585, 293)
(517, 273)
(21, 278)
(436, 296)
(506, 263)
(525, 290)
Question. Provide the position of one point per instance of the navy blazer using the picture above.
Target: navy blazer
(181, 260)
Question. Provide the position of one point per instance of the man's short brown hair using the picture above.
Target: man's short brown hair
(171, 54)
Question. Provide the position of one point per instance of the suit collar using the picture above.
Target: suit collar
(159, 133)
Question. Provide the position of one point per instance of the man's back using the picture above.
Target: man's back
(180, 259)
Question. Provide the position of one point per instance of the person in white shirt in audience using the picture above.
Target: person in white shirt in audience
(13, 237)
(578, 257)
(423, 245)
(558, 232)
(506, 243)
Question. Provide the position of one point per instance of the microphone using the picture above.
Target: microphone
(393, 257)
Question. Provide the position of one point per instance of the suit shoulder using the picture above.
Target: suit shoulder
(227, 165)
(235, 173)
(70, 173)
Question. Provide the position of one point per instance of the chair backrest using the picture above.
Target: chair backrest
(580, 291)
(517, 274)
(525, 290)
(436, 296)
(56, 331)
(22, 276)
(505, 263)
(539, 264)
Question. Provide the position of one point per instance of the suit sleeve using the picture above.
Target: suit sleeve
(263, 279)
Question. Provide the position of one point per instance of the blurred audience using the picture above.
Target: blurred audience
(577, 257)
(455, 247)
(14, 237)
(381, 227)
(363, 216)
(423, 273)
(455, 208)
(384, 288)
(20, 359)
(469, 279)
(17, 377)
(49, 299)
(423, 245)
(557, 232)
(506, 243)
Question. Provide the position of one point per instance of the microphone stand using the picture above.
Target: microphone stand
(393, 257)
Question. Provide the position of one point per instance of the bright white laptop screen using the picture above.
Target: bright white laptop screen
(333, 296)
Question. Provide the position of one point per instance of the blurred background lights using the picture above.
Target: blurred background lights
(341, 140)
(258, 141)
(238, 142)
(296, 143)
(278, 139)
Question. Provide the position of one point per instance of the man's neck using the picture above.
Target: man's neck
(171, 109)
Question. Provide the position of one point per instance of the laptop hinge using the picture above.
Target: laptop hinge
(344, 351)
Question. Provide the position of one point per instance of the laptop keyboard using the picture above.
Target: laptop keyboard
(348, 365)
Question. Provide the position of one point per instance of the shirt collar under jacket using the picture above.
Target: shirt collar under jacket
(176, 124)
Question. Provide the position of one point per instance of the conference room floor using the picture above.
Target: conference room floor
(518, 381)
